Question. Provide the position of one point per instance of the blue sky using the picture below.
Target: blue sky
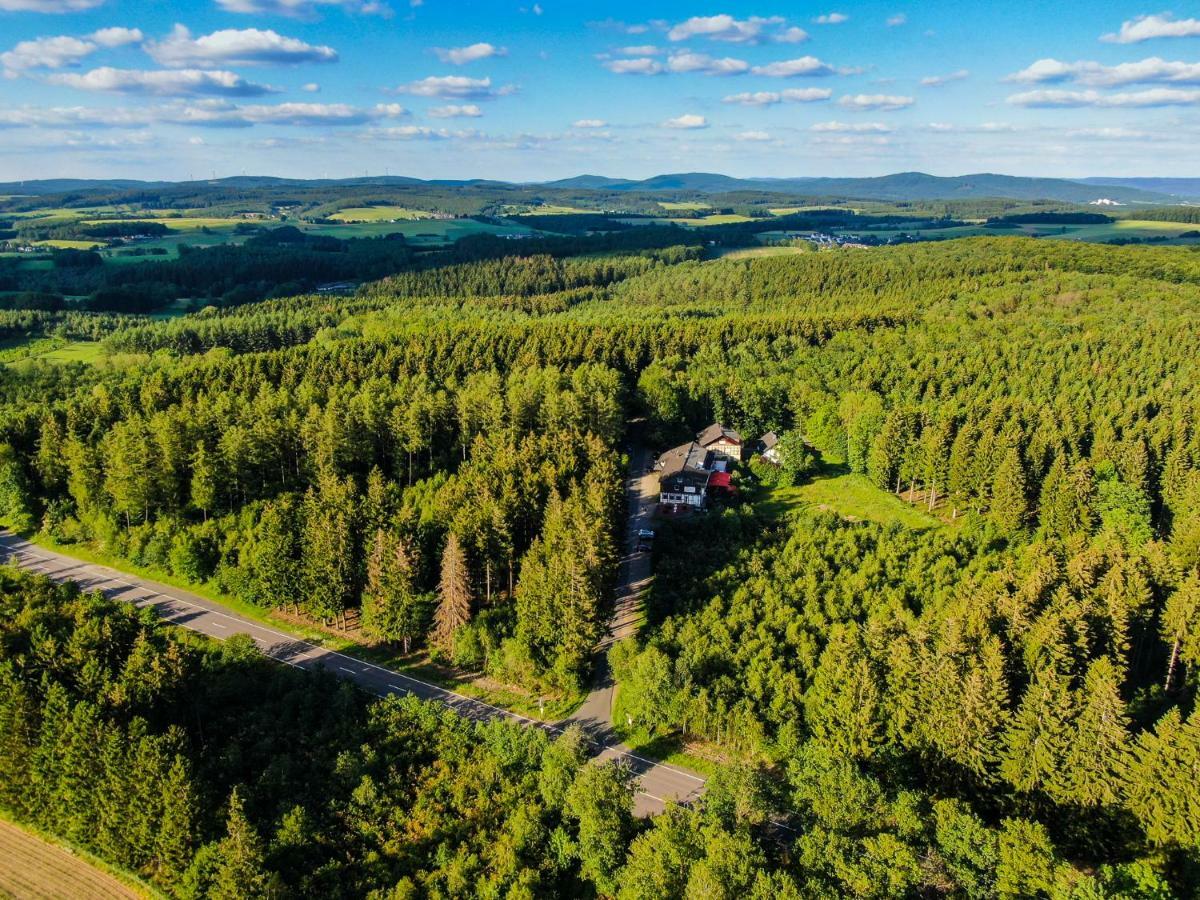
(537, 90)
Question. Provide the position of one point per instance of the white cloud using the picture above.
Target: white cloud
(874, 102)
(640, 50)
(753, 136)
(983, 128)
(833, 18)
(63, 51)
(940, 80)
(1145, 28)
(456, 111)
(641, 66)
(804, 66)
(46, 53)
(460, 56)
(1108, 134)
(421, 133)
(702, 62)
(1094, 74)
(48, 6)
(688, 121)
(725, 27)
(851, 128)
(1130, 100)
(770, 98)
(235, 47)
(117, 37)
(793, 35)
(209, 113)
(311, 88)
(172, 83)
(897, 20)
(302, 9)
(455, 87)
(589, 123)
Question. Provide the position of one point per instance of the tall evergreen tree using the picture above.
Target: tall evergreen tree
(454, 596)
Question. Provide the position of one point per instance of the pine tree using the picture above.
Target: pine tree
(274, 556)
(1010, 503)
(176, 838)
(206, 487)
(1099, 742)
(1036, 741)
(240, 872)
(1181, 626)
(328, 546)
(454, 592)
(391, 607)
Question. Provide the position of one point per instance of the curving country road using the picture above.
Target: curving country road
(657, 783)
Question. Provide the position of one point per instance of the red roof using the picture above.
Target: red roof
(719, 480)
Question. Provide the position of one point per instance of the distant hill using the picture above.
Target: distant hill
(913, 186)
(1177, 187)
(901, 186)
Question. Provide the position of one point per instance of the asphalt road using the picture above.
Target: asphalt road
(657, 783)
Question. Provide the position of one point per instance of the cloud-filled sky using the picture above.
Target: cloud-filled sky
(538, 90)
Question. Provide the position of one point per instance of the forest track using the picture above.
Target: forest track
(657, 783)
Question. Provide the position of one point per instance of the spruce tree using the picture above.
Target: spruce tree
(1010, 504)
(240, 872)
(1099, 746)
(454, 593)
(1036, 740)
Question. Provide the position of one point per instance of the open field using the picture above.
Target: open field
(379, 214)
(68, 245)
(714, 219)
(851, 496)
(54, 350)
(550, 209)
(428, 231)
(34, 869)
(760, 252)
(681, 206)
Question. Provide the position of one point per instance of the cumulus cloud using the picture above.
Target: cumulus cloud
(940, 80)
(688, 121)
(833, 18)
(63, 51)
(641, 66)
(1145, 28)
(640, 50)
(897, 20)
(455, 87)
(302, 9)
(1129, 100)
(792, 35)
(874, 102)
(172, 83)
(235, 47)
(311, 88)
(770, 98)
(724, 27)
(460, 56)
(753, 136)
(708, 65)
(589, 123)
(851, 128)
(1094, 74)
(48, 6)
(1108, 134)
(117, 37)
(421, 133)
(456, 111)
(209, 113)
(804, 66)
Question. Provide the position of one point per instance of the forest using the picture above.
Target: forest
(1002, 704)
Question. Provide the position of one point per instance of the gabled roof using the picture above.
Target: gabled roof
(689, 457)
(715, 432)
(768, 440)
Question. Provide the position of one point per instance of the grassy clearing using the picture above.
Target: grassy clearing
(684, 206)
(428, 231)
(19, 352)
(379, 214)
(551, 209)
(68, 245)
(714, 219)
(416, 665)
(760, 252)
(42, 867)
(851, 496)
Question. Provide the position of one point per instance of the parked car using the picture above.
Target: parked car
(645, 533)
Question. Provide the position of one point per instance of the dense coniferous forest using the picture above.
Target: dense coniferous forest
(999, 704)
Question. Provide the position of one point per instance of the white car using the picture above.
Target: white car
(645, 533)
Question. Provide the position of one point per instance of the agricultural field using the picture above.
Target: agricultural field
(379, 214)
(703, 221)
(38, 870)
(760, 252)
(54, 350)
(681, 206)
(427, 231)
